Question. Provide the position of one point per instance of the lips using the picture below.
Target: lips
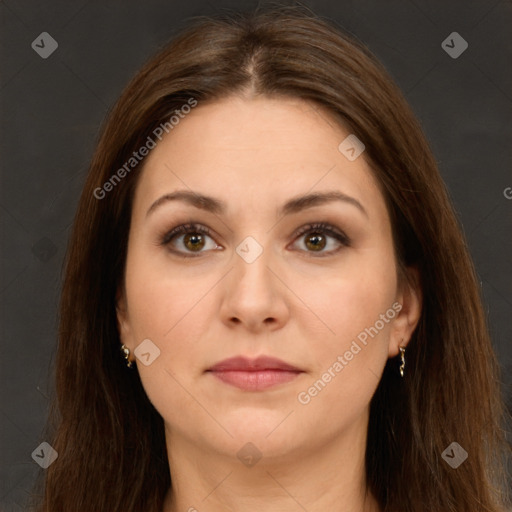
(243, 364)
(254, 374)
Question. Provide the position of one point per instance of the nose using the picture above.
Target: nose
(254, 295)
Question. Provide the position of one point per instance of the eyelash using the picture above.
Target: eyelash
(317, 228)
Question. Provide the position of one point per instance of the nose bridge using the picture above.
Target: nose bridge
(254, 250)
(252, 259)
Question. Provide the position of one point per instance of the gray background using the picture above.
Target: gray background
(52, 109)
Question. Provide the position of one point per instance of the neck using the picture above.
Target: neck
(329, 477)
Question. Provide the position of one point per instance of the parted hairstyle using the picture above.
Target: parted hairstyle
(110, 439)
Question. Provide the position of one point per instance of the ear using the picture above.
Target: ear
(410, 298)
(123, 324)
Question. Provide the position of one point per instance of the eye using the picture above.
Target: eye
(193, 239)
(318, 235)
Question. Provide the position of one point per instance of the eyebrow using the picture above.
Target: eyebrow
(294, 205)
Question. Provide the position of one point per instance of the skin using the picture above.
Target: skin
(255, 153)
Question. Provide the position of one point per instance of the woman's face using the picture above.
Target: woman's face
(326, 301)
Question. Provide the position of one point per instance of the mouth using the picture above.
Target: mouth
(254, 374)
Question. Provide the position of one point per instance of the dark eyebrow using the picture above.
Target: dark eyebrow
(294, 205)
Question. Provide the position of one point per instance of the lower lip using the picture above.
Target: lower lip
(255, 380)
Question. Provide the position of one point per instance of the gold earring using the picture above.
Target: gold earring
(126, 353)
(402, 365)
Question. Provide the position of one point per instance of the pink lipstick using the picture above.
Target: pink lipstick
(254, 374)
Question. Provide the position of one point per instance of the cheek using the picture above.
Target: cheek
(348, 299)
(160, 297)
(173, 309)
(169, 311)
(350, 304)
(347, 365)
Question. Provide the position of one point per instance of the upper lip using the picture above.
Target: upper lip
(241, 363)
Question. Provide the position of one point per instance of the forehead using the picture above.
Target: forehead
(261, 150)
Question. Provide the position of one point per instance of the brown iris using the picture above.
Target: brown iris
(318, 242)
(196, 241)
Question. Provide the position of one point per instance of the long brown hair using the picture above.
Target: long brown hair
(110, 439)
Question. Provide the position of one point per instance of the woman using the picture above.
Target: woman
(268, 303)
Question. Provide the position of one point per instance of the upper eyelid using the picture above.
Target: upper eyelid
(312, 226)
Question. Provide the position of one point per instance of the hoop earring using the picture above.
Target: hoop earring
(126, 354)
(402, 365)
